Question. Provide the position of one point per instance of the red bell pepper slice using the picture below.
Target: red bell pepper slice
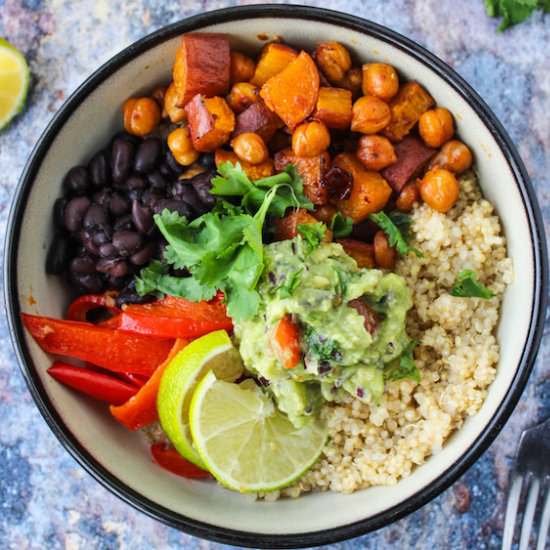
(287, 343)
(169, 459)
(80, 307)
(141, 409)
(92, 383)
(173, 318)
(107, 348)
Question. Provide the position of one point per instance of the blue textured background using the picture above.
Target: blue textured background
(46, 500)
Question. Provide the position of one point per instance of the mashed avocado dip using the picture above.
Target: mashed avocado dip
(343, 351)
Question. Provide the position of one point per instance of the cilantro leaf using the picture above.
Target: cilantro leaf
(467, 286)
(319, 346)
(312, 233)
(291, 283)
(341, 225)
(406, 367)
(395, 236)
(513, 11)
(402, 221)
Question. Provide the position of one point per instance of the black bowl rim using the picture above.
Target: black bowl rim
(245, 538)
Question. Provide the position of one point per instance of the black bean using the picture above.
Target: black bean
(134, 182)
(95, 216)
(101, 236)
(74, 213)
(141, 257)
(119, 204)
(127, 242)
(86, 238)
(128, 295)
(147, 155)
(156, 181)
(202, 185)
(58, 255)
(58, 210)
(179, 272)
(128, 137)
(135, 194)
(76, 181)
(114, 268)
(102, 197)
(99, 170)
(91, 283)
(122, 156)
(206, 160)
(165, 171)
(150, 197)
(124, 223)
(107, 250)
(182, 208)
(184, 191)
(142, 217)
(173, 164)
(83, 264)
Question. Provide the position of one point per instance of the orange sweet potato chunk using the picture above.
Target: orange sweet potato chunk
(202, 66)
(334, 108)
(311, 169)
(407, 106)
(292, 94)
(274, 58)
(211, 122)
(253, 171)
(287, 227)
(362, 253)
(259, 119)
(370, 191)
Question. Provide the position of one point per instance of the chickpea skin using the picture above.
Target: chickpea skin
(250, 147)
(310, 139)
(439, 189)
(436, 127)
(141, 115)
(370, 115)
(380, 80)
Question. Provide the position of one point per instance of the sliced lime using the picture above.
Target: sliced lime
(245, 442)
(213, 351)
(14, 82)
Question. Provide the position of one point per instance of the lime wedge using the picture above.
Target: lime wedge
(14, 82)
(214, 352)
(245, 442)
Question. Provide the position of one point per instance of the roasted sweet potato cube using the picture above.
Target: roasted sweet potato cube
(202, 66)
(411, 101)
(362, 253)
(287, 227)
(292, 94)
(211, 122)
(412, 156)
(311, 169)
(273, 59)
(370, 191)
(253, 171)
(334, 108)
(258, 119)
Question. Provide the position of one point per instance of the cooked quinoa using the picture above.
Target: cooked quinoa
(457, 355)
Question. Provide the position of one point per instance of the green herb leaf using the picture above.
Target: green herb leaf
(513, 11)
(340, 225)
(312, 233)
(395, 237)
(405, 367)
(402, 221)
(467, 286)
(292, 281)
(320, 347)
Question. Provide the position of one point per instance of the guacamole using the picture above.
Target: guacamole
(351, 323)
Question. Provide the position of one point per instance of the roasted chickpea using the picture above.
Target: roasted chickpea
(370, 115)
(242, 95)
(384, 254)
(436, 127)
(376, 152)
(325, 213)
(352, 81)
(171, 110)
(439, 189)
(250, 147)
(141, 115)
(310, 139)
(181, 146)
(408, 196)
(454, 156)
(380, 80)
(242, 67)
(334, 60)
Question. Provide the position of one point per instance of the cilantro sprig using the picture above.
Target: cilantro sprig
(312, 234)
(514, 11)
(467, 286)
(340, 225)
(396, 237)
(405, 367)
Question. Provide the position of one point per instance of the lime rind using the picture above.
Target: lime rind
(18, 66)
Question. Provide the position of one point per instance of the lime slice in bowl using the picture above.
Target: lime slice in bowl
(14, 82)
(214, 352)
(245, 442)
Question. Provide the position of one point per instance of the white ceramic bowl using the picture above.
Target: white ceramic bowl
(119, 459)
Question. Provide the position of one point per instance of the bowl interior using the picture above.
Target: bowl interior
(125, 455)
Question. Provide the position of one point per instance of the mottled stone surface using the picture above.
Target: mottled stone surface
(46, 499)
